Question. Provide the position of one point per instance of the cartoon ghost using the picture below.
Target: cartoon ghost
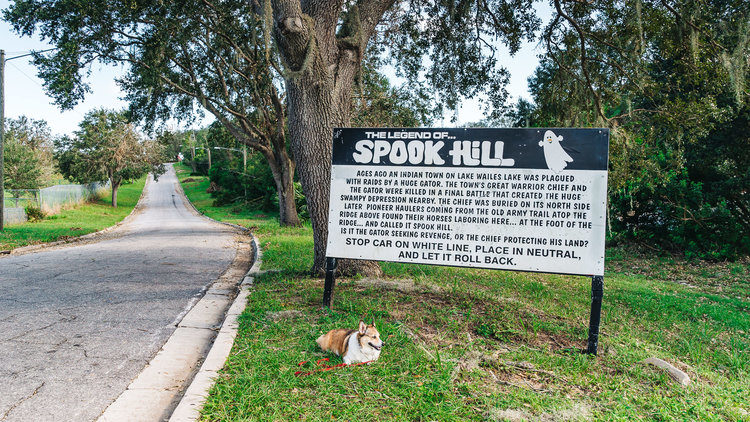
(556, 157)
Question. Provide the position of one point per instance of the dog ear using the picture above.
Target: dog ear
(362, 327)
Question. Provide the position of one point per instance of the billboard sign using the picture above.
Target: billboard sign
(510, 199)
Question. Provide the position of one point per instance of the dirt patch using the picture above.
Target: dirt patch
(553, 341)
(496, 370)
(213, 187)
(283, 315)
(476, 360)
(190, 180)
(579, 412)
(405, 285)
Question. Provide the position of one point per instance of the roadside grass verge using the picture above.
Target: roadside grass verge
(465, 344)
(74, 221)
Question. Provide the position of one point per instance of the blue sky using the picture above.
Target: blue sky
(24, 93)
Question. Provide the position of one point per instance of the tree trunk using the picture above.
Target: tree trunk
(310, 129)
(114, 186)
(314, 110)
(287, 201)
(282, 169)
(320, 72)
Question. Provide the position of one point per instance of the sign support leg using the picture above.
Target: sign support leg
(331, 264)
(597, 291)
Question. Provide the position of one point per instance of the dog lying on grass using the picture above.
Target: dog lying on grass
(361, 345)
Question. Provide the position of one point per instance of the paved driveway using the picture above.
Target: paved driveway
(78, 323)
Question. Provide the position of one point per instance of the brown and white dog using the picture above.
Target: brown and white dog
(354, 346)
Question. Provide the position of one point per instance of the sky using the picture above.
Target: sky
(24, 92)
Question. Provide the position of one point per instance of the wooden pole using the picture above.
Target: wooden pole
(2, 139)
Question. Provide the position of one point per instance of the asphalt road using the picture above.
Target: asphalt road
(78, 323)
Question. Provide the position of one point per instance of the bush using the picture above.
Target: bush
(255, 187)
(34, 214)
(680, 215)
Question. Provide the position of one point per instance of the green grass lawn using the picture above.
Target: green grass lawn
(464, 344)
(74, 221)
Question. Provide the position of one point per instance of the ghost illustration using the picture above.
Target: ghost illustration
(556, 157)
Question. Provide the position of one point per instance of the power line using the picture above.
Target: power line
(24, 74)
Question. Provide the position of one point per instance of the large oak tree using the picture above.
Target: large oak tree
(452, 46)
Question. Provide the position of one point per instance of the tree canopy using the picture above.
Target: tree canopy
(670, 80)
(206, 52)
(184, 59)
(21, 168)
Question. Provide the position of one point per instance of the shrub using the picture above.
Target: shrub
(255, 187)
(34, 214)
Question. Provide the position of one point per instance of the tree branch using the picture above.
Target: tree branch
(584, 59)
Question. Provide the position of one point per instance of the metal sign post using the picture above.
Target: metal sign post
(597, 291)
(331, 264)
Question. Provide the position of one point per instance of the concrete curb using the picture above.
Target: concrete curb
(90, 236)
(188, 410)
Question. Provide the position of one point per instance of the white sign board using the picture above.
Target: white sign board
(511, 199)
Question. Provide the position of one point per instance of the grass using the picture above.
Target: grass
(464, 344)
(74, 221)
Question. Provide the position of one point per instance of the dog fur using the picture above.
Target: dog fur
(361, 345)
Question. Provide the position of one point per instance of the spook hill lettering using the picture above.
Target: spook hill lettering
(468, 153)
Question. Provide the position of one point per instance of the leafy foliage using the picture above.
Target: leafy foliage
(378, 104)
(171, 143)
(21, 169)
(670, 83)
(183, 59)
(253, 188)
(35, 136)
(449, 50)
(107, 147)
(34, 213)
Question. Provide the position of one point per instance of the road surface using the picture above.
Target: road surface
(78, 323)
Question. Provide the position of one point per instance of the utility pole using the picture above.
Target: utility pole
(244, 158)
(2, 129)
(2, 139)
(192, 149)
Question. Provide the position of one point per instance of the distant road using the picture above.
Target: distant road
(78, 323)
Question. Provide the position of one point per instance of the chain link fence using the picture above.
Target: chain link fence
(50, 200)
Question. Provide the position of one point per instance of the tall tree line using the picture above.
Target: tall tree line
(670, 80)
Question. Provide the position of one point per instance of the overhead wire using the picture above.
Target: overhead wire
(81, 115)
